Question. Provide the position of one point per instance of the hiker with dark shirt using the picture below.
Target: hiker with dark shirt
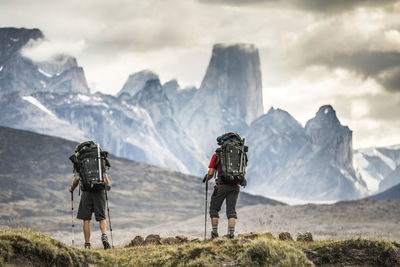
(230, 160)
(93, 200)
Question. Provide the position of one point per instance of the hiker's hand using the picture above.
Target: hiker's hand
(205, 178)
(71, 189)
(107, 187)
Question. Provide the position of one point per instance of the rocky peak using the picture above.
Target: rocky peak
(330, 137)
(13, 39)
(153, 98)
(234, 77)
(276, 121)
(171, 87)
(57, 65)
(137, 81)
(152, 90)
(19, 73)
(325, 117)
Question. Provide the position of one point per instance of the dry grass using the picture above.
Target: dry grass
(22, 247)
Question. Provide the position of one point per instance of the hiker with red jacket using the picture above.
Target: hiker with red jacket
(230, 161)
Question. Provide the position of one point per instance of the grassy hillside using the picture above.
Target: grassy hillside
(27, 248)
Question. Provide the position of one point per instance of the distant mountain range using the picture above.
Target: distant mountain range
(379, 166)
(35, 174)
(169, 126)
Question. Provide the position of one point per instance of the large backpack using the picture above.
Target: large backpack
(232, 159)
(86, 163)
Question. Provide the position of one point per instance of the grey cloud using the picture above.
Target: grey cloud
(391, 80)
(379, 65)
(382, 107)
(337, 6)
(320, 6)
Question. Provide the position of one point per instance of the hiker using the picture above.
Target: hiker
(93, 181)
(230, 160)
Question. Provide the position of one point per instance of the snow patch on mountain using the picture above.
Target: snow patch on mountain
(35, 102)
(378, 166)
(45, 73)
(372, 181)
(375, 153)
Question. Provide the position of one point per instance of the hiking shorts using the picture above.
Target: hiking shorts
(222, 192)
(92, 202)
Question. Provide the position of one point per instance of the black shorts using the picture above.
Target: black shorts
(222, 192)
(92, 202)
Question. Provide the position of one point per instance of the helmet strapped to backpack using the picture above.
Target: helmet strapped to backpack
(90, 162)
(231, 158)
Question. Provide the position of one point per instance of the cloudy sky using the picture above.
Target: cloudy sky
(313, 52)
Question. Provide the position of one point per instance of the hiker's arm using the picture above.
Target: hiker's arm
(106, 180)
(107, 185)
(75, 183)
(209, 175)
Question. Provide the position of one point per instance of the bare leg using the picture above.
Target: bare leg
(214, 220)
(232, 222)
(102, 225)
(86, 230)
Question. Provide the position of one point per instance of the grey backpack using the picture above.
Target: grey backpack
(90, 161)
(232, 159)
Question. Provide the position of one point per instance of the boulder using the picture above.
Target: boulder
(306, 237)
(285, 236)
(153, 239)
(181, 238)
(137, 241)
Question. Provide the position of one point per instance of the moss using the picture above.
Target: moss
(268, 252)
(355, 252)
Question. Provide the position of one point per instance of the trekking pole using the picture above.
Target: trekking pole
(73, 230)
(109, 221)
(205, 214)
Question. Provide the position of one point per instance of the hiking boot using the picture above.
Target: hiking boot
(87, 245)
(214, 235)
(104, 239)
(232, 235)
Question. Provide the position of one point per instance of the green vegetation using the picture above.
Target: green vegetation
(22, 247)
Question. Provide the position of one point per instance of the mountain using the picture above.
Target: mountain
(310, 163)
(391, 179)
(136, 82)
(178, 96)
(35, 174)
(379, 166)
(153, 98)
(23, 111)
(230, 95)
(389, 194)
(19, 73)
(122, 127)
(274, 140)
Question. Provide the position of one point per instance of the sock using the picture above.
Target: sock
(215, 228)
(231, 230)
